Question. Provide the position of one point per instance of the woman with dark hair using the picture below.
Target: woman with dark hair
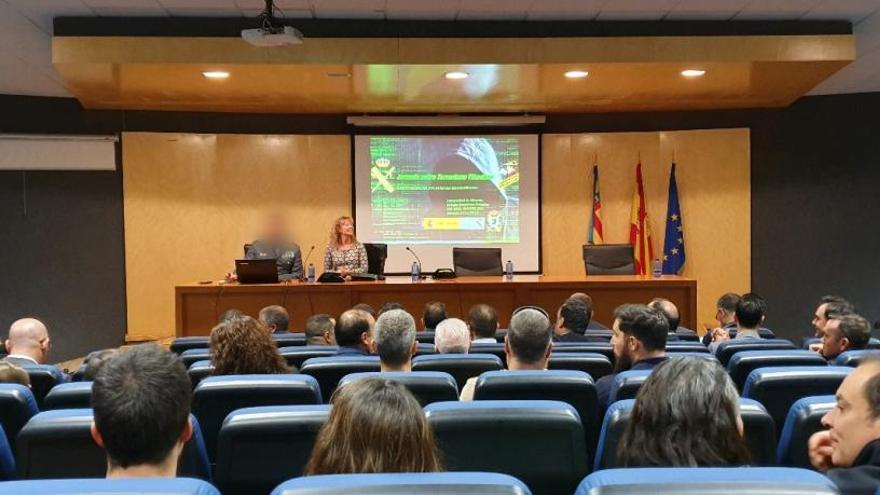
(686, 415)
(242, 346)
(375, 426)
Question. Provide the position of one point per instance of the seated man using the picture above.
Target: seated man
(849, 451)
(829, 307)
(275, 245)
(572, 320)
(388, 306)
(319, 330)
(366, 307)
(394, 339)
(435, 312)
(10, 373)
(844, 333)
(275, 319)
(638, 341)
(141, 400)
(353, 333)
(725, 315)
(230, 314)
(95, 361)
(28, 342)
(749, 315)
(452, 337)
(528, 345)
(670, 311)
(483, 323)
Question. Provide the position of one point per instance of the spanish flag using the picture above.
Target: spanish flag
(639, 229)
(594, 235)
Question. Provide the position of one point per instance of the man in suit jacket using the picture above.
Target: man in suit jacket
(274, 245)
(28, 342)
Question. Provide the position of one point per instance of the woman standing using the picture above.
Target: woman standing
(345, 254)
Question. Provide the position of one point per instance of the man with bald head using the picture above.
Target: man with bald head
(28, 342)
(670, 311)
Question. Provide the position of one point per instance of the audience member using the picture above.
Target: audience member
(388, 307)
(453, 337)
(844, 332)
(638, 340)
(141, 401)
(28, 342)
(434, 313)
(354, 332)
(10, 373)
(375, 426)
(849, 451)
(830, 306)
(686, 415)
(230, 314)
(319, 330)
(483, 324)
(670, 311)
(527, 345)
(725, 315)
(394, 339)
(95, 361)
(242, 346)
(366, 307)
(572, 320)
(748, 316)
(275, 319)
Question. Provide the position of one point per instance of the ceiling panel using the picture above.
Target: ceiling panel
(422, 9)
(42, 12)
(849, 10)
(642, 10)
(353, 9)
(762, 10)
(716, 10)
(508, 10)
(126, 7)
(542, 10)
(19, 78)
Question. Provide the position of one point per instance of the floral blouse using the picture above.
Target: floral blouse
(354, 259)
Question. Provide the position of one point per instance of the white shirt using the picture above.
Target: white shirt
(486, 340)
(19, 356)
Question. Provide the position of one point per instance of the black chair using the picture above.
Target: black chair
(376, 256)
(404, 484)
(198, 371)
(427, 386)
(686, 346)
(477, 262)
(191, 356)
(328, 371)
(289, 339)
(743, 363)
(461, 366)
(425, 349)
(298, 354)
(425, 337)
(609, 259)
(728, 348)
(594, 364)
(686, 334)
(181, 344)
(43, 378)
(496, 349)
(596, 347)
(17, 406)
(76, 395)
(804, 418)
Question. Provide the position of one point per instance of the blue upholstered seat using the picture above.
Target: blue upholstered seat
(804, 418)
(405, 484)
(130, 486)
(426, 386)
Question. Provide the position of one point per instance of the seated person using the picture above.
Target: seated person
(483, 324)
(572, 320)
(28, 342)
(375, 426)
(366, 307)
(345, 255)
(638, 341)
(452, 337)
(274, 318)
(95, 361)
(394, 340)
(849, 450)
(434, 313)
(242, 346)
(141, 400)
(10, 373)
(274, 244)
(353, 333)
(319, 330)
(748, 315)
(843, 333)
(686, 415)
(670, 311)
(230, 314)
(829, 306)
(527, 345)
(725, 311)
(388, 307)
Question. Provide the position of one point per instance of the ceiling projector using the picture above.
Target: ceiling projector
(272, 36)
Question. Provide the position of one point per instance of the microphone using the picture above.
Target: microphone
(305, 261)
(413, 253)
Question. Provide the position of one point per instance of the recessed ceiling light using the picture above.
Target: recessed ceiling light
(693, 72)
(576, 74)
(456, 74)
(216, 74)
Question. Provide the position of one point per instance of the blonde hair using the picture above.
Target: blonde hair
(335, 236)
(10, 373)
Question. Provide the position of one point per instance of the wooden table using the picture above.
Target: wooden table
(199, 306)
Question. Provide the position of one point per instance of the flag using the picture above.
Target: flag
(594, 236)
(639, 230)
(673, 246)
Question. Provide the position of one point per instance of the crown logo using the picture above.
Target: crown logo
(383, 162)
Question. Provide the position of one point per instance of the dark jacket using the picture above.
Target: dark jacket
(577, 337)
(863, 478)
(288, 257)
(351, 351)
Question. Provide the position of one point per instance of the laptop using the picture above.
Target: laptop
(256, 271)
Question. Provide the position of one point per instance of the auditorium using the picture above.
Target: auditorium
(488, 247)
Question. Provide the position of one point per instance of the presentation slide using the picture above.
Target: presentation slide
(432, 193)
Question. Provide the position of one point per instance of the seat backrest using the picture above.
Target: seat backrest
(854, 358)
(405, 484)
(191, 356)
(728, 348)
(59, 444)
(76, 395)
(17, 406)
(296, 355)
(181, 344)
(425, 337)
(376, 256)
(216, 396)
(691, 481)
(613, 426)
(599, 334)
(742, 363)
(807, 342)
(686, 346)
(592, 363)
(461, 366)
(685, 334)
(329, 370)
(597, 347)
(779, 388)
(43, 378)
(260, 447)
(425, 349)
(496, 349)
(427, 386)
(609, 259)
(477, 262)
(7, 458)
(803, 419)
(289, 339)
(626, 384)
(128, 486)
(539, 442)
(873, 343)
(198, 371)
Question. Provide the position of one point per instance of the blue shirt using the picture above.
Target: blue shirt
(603, 385)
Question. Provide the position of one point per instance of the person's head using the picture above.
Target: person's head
(230, 314)
(342, 231)
(367, 308)
(319, 330)
(638, 332)
(141, 401)
(95, 361)
(375, 426)
(243, 346)
(669, 310)
(452, 337)
(10, 373)
(482, 322)
(274, 318)
(29, 337)
(686, 415)
(434, 313)
(855, 420)
(725, 308)
(830, 306)
(388, 306)
(845, 333)
(394, 339)
(573, 317)
(275, 228)
(750, 311)
(529, 340)
(584, 298)
(353, 329)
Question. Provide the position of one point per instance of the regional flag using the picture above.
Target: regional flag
(639, 229)
(594, 236)
(673, 245)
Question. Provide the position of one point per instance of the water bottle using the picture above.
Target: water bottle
(311, 273)
(415, 272)
(508, 270)
(657, 268)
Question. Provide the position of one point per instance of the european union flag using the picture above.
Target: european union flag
(673, 245)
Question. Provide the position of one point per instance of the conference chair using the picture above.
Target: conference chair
(599, 334)
(595, 325)
(76, 395)
(427, 386)
(686, 334)
(376, 256)
(685, 346)
(405, 484)
(246, 249)
(216, 396)
(191, 356)
(693, 481)
(198, 371)
(43, 378)
(7, 459)
(425, 349)
(807, 342)
(500, 335)
(128, 486)
(743, 363)
(873, 343)
(779, 387)
(328, 371)
(597, 347)
(425, 337)
(289, 339)
(495, 349)
(855, 358)
(181, 344)
(296, 355)
(461, 366)
(609, 259)
(728, 348)
(696, 354)
(59, 444)
(477, 262)
(804, 418)
(539, 442)
(626, 385)
(260, 447)
(17, 406)
(594, 364)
